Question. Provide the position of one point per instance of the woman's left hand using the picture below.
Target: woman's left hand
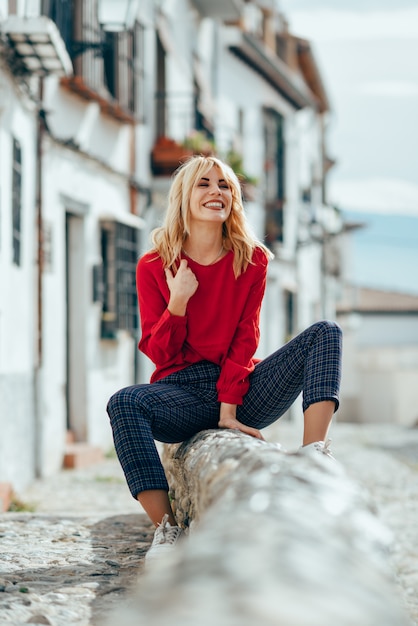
(227, 419)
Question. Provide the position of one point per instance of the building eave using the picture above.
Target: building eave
(311, 73)
(71, 146)
(76, 85)
(287, 82)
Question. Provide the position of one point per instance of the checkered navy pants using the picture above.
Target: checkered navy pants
(184, 403)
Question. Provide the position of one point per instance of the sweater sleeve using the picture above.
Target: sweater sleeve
(163, 334)
(233, 382)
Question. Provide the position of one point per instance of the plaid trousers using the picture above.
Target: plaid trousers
(185, 402)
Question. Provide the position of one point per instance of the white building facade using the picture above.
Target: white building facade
(380, 360)
(18, 357)
(87, 149)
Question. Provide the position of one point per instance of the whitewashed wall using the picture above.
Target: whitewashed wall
(17, 293)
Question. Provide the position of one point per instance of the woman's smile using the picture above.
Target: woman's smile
(213, 193)
(214, 206)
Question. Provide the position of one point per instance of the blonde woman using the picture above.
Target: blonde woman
(200, 291)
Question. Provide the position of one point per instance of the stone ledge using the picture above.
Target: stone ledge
(275, 538)
(201, 469)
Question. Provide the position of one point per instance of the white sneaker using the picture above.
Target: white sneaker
(165, 538)
(323, 447)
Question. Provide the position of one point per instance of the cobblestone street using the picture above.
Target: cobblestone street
(73, 559)
(77, 555)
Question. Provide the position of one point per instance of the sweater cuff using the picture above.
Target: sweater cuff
(167, 315)
(229, 398)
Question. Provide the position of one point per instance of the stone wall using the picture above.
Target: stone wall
(275, 539)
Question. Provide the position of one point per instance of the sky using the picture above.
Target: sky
(367, 52)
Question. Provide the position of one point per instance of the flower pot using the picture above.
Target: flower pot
(167, 155)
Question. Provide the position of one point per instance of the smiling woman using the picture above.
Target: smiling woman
(200, 291)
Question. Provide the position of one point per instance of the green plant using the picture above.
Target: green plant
(111, 453)
(234, 159)
(199, 143)
(108, 479)
(18, 506)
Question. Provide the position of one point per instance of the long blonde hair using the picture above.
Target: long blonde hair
(169, 238)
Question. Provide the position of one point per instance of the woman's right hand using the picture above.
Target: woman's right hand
(182, 286)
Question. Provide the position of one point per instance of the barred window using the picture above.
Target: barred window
(117, 291)
(61, 12)
(17, 201)
(275, 192)
(123, 57)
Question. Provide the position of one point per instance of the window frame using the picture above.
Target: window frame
(275, 175)
(114, 282)
(16, 202)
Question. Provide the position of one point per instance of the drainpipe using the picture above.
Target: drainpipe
(40, 126)
(133, 197)
(132, 170)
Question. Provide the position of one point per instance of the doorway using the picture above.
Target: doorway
(76, 396)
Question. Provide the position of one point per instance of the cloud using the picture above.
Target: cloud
(389, 88)
(340, 25)
(375, 195)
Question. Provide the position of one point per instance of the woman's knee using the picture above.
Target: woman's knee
(329, 327)
(120, 401)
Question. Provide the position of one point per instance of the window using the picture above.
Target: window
(17, 201)
(138, 71)
(161, 103)
(123, 57)
(118, 63)
(201, 121)
(290, 314)
(61, 12)
(110, 57)
(117, 288)
(274, 175)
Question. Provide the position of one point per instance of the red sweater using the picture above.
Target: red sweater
(221, 324)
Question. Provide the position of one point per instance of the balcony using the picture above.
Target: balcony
(168, 154)
(182, 130)
(35, 46)
(110, 107)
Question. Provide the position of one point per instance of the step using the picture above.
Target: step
(6, 494)
(81, 454)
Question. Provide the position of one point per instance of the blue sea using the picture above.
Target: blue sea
(384, 254)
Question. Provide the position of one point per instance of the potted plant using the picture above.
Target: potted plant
(199, 143)
(248, 182)
(167, 155)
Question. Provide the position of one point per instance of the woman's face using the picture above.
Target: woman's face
(211, 198)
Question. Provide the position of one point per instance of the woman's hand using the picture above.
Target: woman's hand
(228, 419)
(182, 286)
